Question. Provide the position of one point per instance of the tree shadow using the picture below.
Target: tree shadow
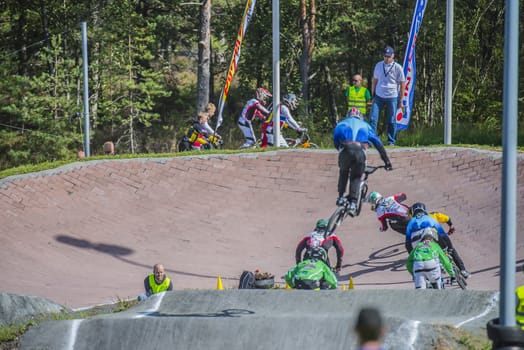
(111, 249)
(119, 252)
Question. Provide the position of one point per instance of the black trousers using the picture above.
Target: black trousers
(352, 164)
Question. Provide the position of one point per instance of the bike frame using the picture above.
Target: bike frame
(341, 212)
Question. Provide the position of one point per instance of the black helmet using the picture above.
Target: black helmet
(316, 253)
(417, 208)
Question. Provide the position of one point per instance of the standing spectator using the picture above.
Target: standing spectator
(358, 96)
(351, 137)
(253, 108)
(370, 329)
(156, 282)
(519, 291)
(425, 260)
(388, 81)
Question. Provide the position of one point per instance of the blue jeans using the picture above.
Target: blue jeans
(391, 108)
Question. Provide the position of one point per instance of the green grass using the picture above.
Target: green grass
(475, 136)
(11, 333)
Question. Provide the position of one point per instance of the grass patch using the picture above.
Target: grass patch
(10, 335)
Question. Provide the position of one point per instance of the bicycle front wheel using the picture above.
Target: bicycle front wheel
(461, 281)
(336, 219)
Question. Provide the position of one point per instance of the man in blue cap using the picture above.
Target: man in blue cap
(387, 87)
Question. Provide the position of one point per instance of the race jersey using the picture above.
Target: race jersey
(252, 109)
(391, 207)
(425, 251)
(417, 225)
(316, 239)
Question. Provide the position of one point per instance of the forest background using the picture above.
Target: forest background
(154, 64)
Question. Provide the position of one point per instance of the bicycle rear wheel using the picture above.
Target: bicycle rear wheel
(336, 219)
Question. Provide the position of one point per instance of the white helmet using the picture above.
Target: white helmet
(291, 101)
(430, 233)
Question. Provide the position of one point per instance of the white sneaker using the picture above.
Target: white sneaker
(352, 210)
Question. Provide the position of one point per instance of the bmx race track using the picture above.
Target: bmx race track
(89, 232)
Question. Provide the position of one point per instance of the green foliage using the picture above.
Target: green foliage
(143, 63)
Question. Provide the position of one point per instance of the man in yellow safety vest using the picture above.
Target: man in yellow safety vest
(358, 96)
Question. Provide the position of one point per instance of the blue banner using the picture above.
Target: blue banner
(410, 69)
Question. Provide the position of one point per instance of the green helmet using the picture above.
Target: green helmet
(322, 224)
(374, 199)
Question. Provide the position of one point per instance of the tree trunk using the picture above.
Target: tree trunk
(332, 98)
(307, 23)
(204, 56)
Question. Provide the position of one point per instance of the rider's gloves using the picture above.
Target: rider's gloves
(301, 130)
(337, 269)
(389, 166)
(382, 228)
(451, 230)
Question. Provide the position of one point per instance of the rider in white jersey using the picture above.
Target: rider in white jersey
(253, 108)
(289, 103)
(390, 210)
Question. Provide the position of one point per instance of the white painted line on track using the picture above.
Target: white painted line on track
(494, 300)
(155, 307)
(408, 331)
(72, 334)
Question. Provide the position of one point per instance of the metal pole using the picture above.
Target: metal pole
(448, 74)
(276, 72)
(503, 332)
(509, 170)
(87, 148)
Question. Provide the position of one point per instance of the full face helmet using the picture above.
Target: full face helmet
(317, 253)
(262, 95)
(375, 199)
(291, 101)
(417, 208)
(354, 112)
(322, 224)
(430, 233)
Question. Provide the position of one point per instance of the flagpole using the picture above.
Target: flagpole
(448, 73)
(276, 72)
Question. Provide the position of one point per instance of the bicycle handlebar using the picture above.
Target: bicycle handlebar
(370, 169)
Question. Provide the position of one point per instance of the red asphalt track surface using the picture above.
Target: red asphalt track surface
(88, 233)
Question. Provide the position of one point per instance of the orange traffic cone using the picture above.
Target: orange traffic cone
(219, 283)
(351, 285)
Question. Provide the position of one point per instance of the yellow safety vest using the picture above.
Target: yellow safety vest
(157, 288)
(357, 99)
(520, 307)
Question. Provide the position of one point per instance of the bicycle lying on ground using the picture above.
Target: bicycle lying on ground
(302, 141)
(343, 210)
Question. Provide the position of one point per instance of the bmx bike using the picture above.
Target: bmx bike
(342, 211)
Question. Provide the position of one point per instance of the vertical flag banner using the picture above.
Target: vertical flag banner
(410, 71)
(248, 13)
